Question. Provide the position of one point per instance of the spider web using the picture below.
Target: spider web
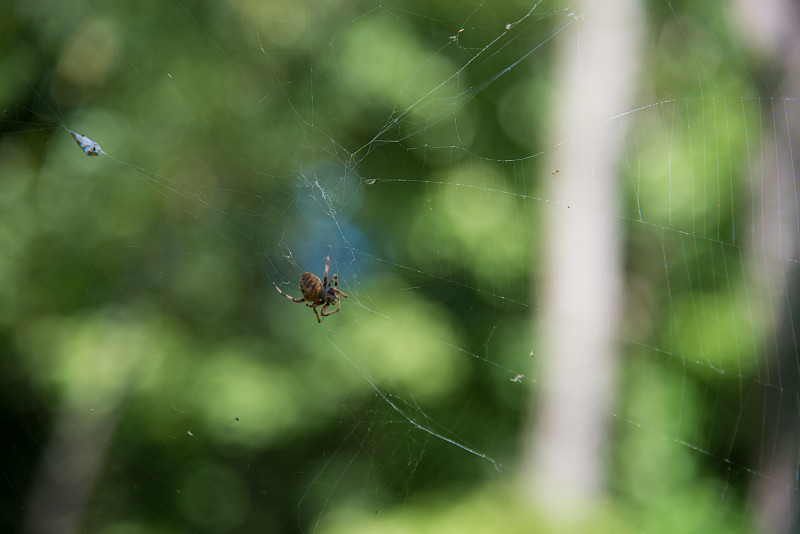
(155, 381)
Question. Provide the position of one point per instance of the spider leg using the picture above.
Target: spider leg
(314, 307)
(325, 278)
(335, 280)
(287, 296)
(338, 308)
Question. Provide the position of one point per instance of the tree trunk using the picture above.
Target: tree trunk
(770, 28)
(598, 59)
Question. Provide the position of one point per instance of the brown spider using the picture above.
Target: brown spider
(318, 293)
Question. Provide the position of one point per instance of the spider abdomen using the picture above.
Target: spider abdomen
(311, 287)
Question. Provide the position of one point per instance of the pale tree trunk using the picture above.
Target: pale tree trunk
(770, 28)
(597, 63)
(83, 426)
(68, 471)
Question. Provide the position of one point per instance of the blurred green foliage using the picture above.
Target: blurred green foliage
(137, 287)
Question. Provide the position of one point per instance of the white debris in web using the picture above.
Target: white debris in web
(90, 148)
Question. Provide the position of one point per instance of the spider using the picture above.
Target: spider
(318, 293)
